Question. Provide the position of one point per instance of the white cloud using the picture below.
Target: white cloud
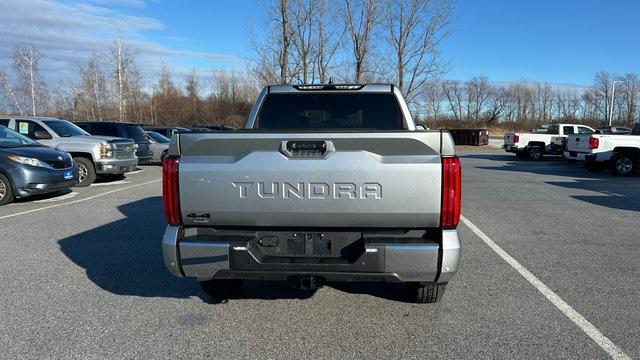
(69, 32)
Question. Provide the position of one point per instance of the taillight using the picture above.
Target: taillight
(516, 138)
(451, 192)
(170, 194)
(594, 143)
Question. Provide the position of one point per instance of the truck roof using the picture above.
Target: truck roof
(330, 88)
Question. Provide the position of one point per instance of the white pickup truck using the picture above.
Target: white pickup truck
(621, 153)
(535, 146)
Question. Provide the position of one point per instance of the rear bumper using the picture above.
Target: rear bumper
(580, 156)
(116, 166)
(209, 257)
(510, 148)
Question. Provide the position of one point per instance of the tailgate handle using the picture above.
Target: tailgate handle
(307, 149)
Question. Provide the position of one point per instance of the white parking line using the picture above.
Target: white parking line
(598, 337)
(79, 200)
(58, 198)
(110, 183)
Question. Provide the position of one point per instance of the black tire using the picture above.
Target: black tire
(593, 166)
(521, 154)
(86, 170)
(221, 288)
(535, 153)
(162, 156)
(623, 164)
(6, 191)
(426, 293)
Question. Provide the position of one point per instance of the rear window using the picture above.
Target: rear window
(330, 111)
(136, 133)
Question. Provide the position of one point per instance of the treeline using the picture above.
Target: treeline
(109, 86)
(526, 104)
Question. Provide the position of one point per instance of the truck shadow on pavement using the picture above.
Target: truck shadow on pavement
(622, 193)
(616, 193)
(124, 257)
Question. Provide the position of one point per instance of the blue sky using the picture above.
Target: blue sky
(561, 41)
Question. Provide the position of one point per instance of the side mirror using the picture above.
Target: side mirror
(42, 135)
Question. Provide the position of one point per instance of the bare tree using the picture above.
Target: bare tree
(360, 17)
(498, 100)
(271, 60)
(433, 98)
(9, 93)
(602, 90)
(26, 63)
(568, 104)
(193, 90)
(415, 30)
(122, 61)
(328, 37)
(303, 31)
(455, 97)
(630, 97)
(478, 91)
(94, 86)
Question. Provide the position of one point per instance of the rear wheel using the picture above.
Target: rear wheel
(221, 288)
(624, 164)
(86, 171)
(535, 153)
(426, 293)
(6, 191)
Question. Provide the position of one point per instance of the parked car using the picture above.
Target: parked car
(617, 130)
(96, 155)
(327, 183)
(620, 153)
(30, 168)
(125, 130)
(167, 131)
(535, 146)
(159, 145)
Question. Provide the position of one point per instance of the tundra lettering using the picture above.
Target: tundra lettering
(309, 190)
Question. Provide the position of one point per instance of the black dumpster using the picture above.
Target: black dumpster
(474, 137)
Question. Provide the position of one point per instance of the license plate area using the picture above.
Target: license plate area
(68, 175)
(307, 244)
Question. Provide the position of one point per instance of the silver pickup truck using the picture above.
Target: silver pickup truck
(325, 183)
(95, 155)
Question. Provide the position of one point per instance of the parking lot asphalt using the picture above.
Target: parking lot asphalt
(82, 277)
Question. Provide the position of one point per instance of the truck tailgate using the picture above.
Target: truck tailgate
(508, 138)
(578, 143)
(336, 180)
